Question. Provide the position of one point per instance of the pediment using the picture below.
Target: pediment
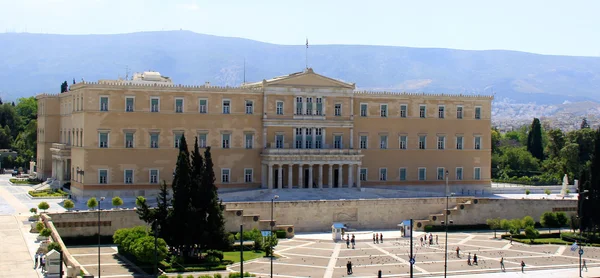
(308, 78)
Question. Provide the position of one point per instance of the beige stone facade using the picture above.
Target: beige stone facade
(300, 130)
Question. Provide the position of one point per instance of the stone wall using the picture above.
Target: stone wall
(317, 216)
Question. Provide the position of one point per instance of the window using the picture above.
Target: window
(129, 104)
(309, 107)
(298, 138)
(249, 107)
(383, 174)
(459, 142)
(383, 111)
(383, 142)
(154, 104)
(128, 176)
(102, 176)
(249, 140)
(363, 109)
(103, 140)
(403, 110)
(403, 142)
(459, 173)
(177, 139)
(319, 106)
(441, 109)
(225, 175)
(477, 173)
(226, 106)
(318, 138)
(203, 106)
(459, 112)
(363, 141)
(103, 103)
(202, 140)
(248, 175)
(129, 140)
(299, 106)
(338, 109)
(153, 176)
(422, 174)
(422, 111)
(280, 108)
(279, 141)
(422, 142)
(440, 173)
(477, 113)
(441, 142)
(154, 140)
(363, 174)
(178, 105)
(225, 141)
(337, 141)
(308, 138)
(402, 174)
(478, 143)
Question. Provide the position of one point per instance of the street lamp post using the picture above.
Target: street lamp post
(446, 228)
(580, 227)
(99, 208)
(156, 227)
(272, 224)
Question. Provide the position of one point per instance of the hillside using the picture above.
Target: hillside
(34, 63)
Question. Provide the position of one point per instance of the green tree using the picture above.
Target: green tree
(199, 198)
(117, 201)
(269, 241)
(92, 203)
(548, 220)
(54, 246)
(505, 225)
(515, 226)
(561, 220)
(181, 197)
(215, 219)
(495, 140)
(68, 204)
(527, 221)
(162, 212)
(531, 233)
(33, 210)
(494, 224)
(125, 238)
(39, 226)
(556, 141)
(570, 157)
(584, 124)
(143, 249)
(43, 206)
(534, 140)
(591, 205)
(518, 159)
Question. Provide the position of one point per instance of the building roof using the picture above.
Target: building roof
(304, 78)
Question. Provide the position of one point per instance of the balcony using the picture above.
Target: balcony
(327, 151)
(60, 150)
(309, 117)
(326, 155)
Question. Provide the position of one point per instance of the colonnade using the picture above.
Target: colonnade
(313, 180)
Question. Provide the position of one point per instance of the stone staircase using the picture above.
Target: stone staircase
(457, 206)
(252, 220)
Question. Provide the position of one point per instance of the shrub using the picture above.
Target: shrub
(92, 203)
(270, 241)
(568, 191)
(527, 192)
(39, 226)
(143, 249)
(68, 204)
(179, 276)
(217, 275)
(561, 220)
(527, 221)
(43, 206)
(45, 232)
(125, 238)
(238, 275)
(280, 234)
(190, 276)
(117, 201)
(204, 276)
(531, 233)
(163, 276)
(547, 191)
(53, 246)
(214, 255)
(33, 210)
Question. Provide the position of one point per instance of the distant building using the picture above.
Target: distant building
(302, 130)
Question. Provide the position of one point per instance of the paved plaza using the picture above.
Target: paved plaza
(316, 255)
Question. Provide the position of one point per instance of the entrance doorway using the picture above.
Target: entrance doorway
(275, 179)
(336, 174)
(306, 181)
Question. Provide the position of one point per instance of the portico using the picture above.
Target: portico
(311, 168)
(61, 163)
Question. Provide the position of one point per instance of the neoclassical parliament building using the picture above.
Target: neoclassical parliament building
(302, 130)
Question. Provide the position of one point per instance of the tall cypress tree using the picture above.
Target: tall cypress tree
(592, 204)
(534, 140)
(215, 221)
(181, 197)
(162, 213)
(198, 201)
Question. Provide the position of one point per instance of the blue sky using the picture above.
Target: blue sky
(546, 27)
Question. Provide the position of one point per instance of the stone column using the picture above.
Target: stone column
(280, 176)
(53, 167)
(352, 138)
(270, 184)
(350, 180)
(358, 176)
(330, 175)
(320, 176)
(310, 175)
(290, 174)
(300, 170)
(263, 175)
(340, 175)
(303, 138)
(265, 138)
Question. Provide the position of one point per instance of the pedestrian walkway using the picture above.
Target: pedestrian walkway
(16, 260)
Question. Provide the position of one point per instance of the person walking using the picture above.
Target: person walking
(475, 259)
(469, 259)
(522, 266)
(347, 241)
(584, 265)
(373, 238)
(457, 251)
(349, 267)
(353, 240)
(436, 239)
(43, 263)
(377, 237)
(420, 238)
(502, 264)
(381, 237)
(36, 261)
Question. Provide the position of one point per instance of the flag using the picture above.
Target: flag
(306, 42)
(574, 247)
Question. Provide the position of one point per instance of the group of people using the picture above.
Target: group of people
(377, 238)
(349, 267)
(348, 241)
(474, 259)
(40, 261)
(427, 239)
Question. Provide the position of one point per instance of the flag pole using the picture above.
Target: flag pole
(306, 53)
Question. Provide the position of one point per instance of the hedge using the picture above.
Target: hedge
(198, 267)
(281, 234)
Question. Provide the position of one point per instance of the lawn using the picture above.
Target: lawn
(25, 181)
(48, 193)
(234, 256)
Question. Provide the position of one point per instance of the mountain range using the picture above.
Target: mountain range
(35, 63)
